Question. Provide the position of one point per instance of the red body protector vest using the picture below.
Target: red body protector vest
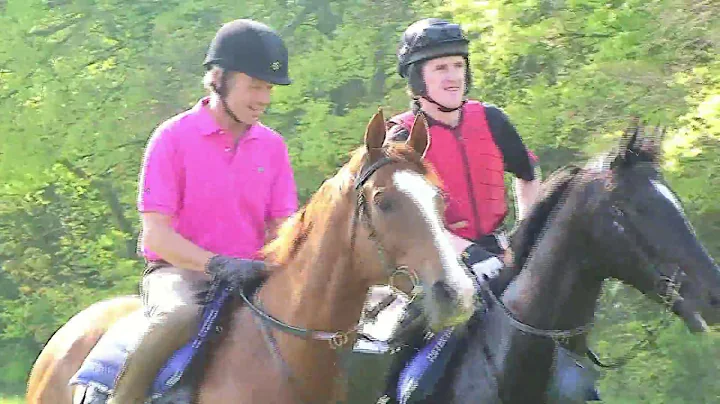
(471, 168)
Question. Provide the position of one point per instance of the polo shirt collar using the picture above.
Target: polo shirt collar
(207, 125)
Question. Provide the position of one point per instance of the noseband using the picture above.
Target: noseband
(361, 208)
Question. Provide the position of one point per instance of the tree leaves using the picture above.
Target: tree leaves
(570, 74)
(84, 83)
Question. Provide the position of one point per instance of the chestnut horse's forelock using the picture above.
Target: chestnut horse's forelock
(294, 232)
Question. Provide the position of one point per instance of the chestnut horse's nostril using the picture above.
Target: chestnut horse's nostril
(443, 292)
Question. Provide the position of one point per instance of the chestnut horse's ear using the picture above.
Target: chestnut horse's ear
(419, 138)
(375, 132)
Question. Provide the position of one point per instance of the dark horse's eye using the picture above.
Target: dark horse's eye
(382, 202)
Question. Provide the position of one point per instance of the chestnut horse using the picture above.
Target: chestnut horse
(382, 212)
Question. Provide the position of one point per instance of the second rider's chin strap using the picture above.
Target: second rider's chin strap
(441, 107)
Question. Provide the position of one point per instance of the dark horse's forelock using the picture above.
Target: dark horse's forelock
(527, 233)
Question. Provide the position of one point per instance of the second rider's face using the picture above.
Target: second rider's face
(445, 80)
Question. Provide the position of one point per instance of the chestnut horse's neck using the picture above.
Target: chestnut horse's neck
(320, 288)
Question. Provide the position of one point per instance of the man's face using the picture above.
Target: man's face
(445, 80)
(247, 97)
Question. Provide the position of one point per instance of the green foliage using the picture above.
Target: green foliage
(84, 83)
(571, 74)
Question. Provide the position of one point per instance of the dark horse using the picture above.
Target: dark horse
(614, 218)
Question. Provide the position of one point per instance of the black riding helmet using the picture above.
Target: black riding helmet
(248, 47)
(252, 48)
(427, 39)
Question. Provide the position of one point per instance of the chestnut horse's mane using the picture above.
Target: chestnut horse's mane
(294, 232)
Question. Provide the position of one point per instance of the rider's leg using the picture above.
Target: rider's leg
(174, 316)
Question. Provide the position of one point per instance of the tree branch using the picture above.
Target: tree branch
(53, 28)
(578, 35)
(289, 28)
(120, 146)
(108, 192)
(48, 56)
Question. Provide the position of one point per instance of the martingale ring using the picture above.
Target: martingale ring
(338, 340)
(411, 275)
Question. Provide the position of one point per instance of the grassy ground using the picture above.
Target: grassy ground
(11, 400)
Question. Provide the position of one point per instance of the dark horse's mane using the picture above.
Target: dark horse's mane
(527, 232)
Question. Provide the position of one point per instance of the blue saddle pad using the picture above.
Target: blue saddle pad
(573, 380)
(105, 361)
(417, 380)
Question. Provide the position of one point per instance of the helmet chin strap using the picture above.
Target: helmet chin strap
(221, 95)
(441, 107)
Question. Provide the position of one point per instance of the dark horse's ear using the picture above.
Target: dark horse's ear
(651, 145)
(375, 132)
(419, 138)
(637, 145)
(626, 144)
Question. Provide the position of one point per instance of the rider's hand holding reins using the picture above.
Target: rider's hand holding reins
(236, 272)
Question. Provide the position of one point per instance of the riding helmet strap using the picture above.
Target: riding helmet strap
(222, 92)
(441, 107)
(361, 207)
(367, 173)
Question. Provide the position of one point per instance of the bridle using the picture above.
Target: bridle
(337, 339)
(667, 287)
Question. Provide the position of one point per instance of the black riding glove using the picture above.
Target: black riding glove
(236, 272)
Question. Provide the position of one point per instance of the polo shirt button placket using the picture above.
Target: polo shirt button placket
(229, 155)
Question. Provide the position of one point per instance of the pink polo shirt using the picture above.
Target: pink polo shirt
(218, 199)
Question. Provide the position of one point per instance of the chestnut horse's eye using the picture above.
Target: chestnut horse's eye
(383, 203)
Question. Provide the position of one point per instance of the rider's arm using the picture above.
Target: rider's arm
(283, 195)
(396, 133)
(517, 159)
(525, 194)
(159, 199)
(458, 243)
(162, 239)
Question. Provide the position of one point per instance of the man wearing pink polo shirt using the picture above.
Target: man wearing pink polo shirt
(215, 184)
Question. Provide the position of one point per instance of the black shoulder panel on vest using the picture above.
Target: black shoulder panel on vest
(516, 157)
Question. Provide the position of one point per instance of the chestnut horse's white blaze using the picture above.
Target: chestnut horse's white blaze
(423, 194)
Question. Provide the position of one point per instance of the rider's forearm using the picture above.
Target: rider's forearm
(525, 194)
(174, 248)
(458, 243)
